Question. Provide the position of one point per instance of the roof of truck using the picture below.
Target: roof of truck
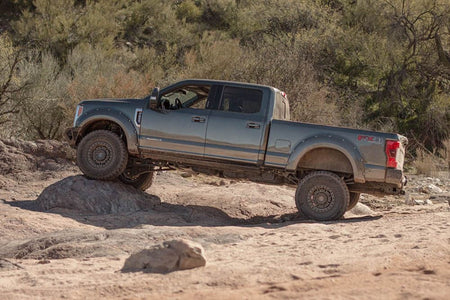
(212, 81)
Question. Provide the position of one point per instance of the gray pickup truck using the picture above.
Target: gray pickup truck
(239, 130)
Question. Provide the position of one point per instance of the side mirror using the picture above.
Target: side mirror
(153, 102)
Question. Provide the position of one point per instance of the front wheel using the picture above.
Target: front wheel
(322, 196)
(141, 182)
(102, 155)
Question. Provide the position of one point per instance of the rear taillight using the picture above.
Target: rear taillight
(391, 153)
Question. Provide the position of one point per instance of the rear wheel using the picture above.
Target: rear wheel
(322, 196)
(354, 198)
(141, 182)
(102, 155)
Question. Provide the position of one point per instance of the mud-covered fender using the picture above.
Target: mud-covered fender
(332, 142)
(121, 119)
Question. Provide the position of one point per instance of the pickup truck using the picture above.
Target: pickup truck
(239, 130)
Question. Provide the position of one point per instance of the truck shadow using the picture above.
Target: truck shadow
(167, 214)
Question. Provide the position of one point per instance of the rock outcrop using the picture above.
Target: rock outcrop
(167, 257)
(18, 157)
(94, 196)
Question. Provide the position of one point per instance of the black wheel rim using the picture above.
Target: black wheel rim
(320, 198)
(100, 154)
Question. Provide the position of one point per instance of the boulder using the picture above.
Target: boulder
(361, 209)
(431, 189)
(167, 257)
(94, 196)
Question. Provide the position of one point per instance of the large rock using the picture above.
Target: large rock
(431, 189)
(167, 257)
(361, 209)
(94, 196)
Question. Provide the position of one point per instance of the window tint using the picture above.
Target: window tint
(241, 100)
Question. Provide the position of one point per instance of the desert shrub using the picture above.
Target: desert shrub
(215, 58)
(12, 85)
(218, 14)
(154, 23)
(188, 10)
(54, 91)
(42, 111)
(58, 26)
(98, 73)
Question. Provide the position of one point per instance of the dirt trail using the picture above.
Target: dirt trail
(256, 245)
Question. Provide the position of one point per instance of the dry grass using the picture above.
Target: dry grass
(445, 153)
(432, 164)
(425, 163)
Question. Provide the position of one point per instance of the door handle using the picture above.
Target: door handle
(253, 125)
(198, 119)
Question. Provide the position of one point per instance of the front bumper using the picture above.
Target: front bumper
(72, 136)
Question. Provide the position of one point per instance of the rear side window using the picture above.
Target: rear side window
(241, 100)
(281, 109)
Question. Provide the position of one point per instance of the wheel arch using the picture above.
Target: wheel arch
(336, 154)
(107, 119)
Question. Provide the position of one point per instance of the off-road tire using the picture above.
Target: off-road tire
(102, 155)
(354, 198)
(322, 196)
(141, 182)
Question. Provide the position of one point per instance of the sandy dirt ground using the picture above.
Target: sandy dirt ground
(256, 245)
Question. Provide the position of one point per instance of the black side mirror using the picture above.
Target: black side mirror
(153, 103)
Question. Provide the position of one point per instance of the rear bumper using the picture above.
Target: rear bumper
(71, 135)
(395, 176)
(394, 184)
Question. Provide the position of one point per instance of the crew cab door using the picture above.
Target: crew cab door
(236, 131)
(179, 125)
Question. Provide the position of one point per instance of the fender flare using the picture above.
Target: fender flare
(107, 114)
(331, 142)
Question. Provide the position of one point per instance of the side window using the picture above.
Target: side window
(281, 108)
(241, 100)
(185, 97)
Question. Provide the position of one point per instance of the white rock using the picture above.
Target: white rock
(361, 209)
(428, 202)
(419, 202)
(434, 189)
(431, 189)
